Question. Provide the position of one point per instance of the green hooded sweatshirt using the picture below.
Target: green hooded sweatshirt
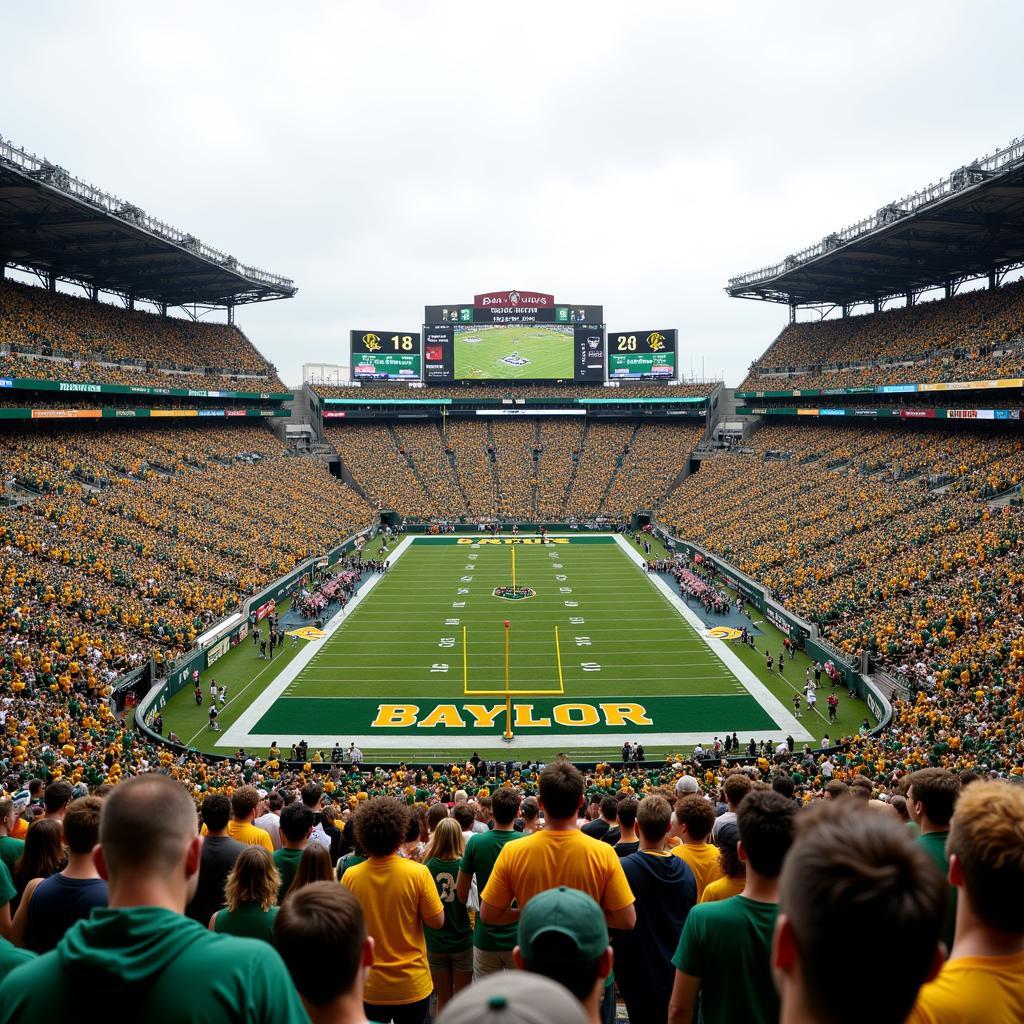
(149, 964)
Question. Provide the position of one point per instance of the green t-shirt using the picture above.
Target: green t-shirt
(287, 864)
(350, 860)
(934, 844)
(481, 853)
(727, 944)
(11, 957)
(7, 890)
(10, 850)
(249, 921)
(147, 963)
(456, 933)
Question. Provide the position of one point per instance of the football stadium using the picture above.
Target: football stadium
(734, 669)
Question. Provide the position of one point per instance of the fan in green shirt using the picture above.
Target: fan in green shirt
(481, 854)
(296, 824)
(724, 952)
(141, 958)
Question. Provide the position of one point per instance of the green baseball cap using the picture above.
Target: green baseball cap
(568, 912)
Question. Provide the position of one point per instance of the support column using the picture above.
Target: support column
(910, 299)
(94, 293)
(131, 302)
(949, 289)
(792, 312)
(163, 309)
(992, 284)
(231, 313)
(51, 281)
(876, 305)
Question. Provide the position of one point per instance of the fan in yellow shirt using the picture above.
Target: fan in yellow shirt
(983, 980)
(398, 898)
(734, 872)
(244, 803)
(694, 818)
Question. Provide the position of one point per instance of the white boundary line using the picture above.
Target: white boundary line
(720, 648)
(239, 733)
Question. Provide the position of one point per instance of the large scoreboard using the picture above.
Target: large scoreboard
(514, 335)
(385, 355)
(642, 355)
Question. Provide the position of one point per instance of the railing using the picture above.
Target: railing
(57, 177)
(958, 180)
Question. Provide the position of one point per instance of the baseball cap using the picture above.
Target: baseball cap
(514, 997)
(687, 784)
(566, 912)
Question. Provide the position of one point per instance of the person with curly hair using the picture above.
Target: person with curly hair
(399, 899)
(251, 897)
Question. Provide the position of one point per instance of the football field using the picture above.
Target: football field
(597, 652)
(514, 352)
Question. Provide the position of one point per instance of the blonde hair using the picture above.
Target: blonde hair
(446, 843)
(253, 879)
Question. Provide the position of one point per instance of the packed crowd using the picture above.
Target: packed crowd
(520, 468)
(973, 336)
(716, 898)
(94, 582)
(56, 336)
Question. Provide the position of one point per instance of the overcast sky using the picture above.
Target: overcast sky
(387, 155)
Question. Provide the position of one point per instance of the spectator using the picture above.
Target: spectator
(601, 826)
(492, 944)
(141, 959)
(295, 827)
(695, 818)
(864, 872)
(734, 789)
(11, 957)
(244, 802)
(312, 795)
(10, 848)
(398, 898)
(665, 891)
(731, 939)
(43, 856)
(270, 820)
(931, 798)
(449, 948)
(56, 799)
(563, 936)
(315, 866)
(219, 854)
(734, 874)
(519, 998)
(50, 906)
(560, 854)
(628, 841)
(250, 897)
(983, 979)
(320, 933)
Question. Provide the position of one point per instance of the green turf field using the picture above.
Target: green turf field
(396, 676)
(514, 352)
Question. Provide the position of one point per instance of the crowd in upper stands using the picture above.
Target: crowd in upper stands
(520, 468)
(56, 336)
(976, 335)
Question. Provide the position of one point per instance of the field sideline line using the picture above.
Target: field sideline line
(238, 733)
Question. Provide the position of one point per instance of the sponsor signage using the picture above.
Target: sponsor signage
(31, 384)
(220, 648)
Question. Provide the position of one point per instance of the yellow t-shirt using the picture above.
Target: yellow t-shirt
(248, 834)
(547, 859)
(974, 990)
(703, 861)
(722, 888)
(395, 894)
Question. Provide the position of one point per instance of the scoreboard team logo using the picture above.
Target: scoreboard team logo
(372, 342)
(656, 341)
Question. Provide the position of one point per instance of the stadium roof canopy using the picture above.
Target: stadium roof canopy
(969, 225)
(58, 226)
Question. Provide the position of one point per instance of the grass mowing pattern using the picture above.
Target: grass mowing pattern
(481, 353)
(620, 644)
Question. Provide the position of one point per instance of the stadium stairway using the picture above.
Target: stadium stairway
(571, 482)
